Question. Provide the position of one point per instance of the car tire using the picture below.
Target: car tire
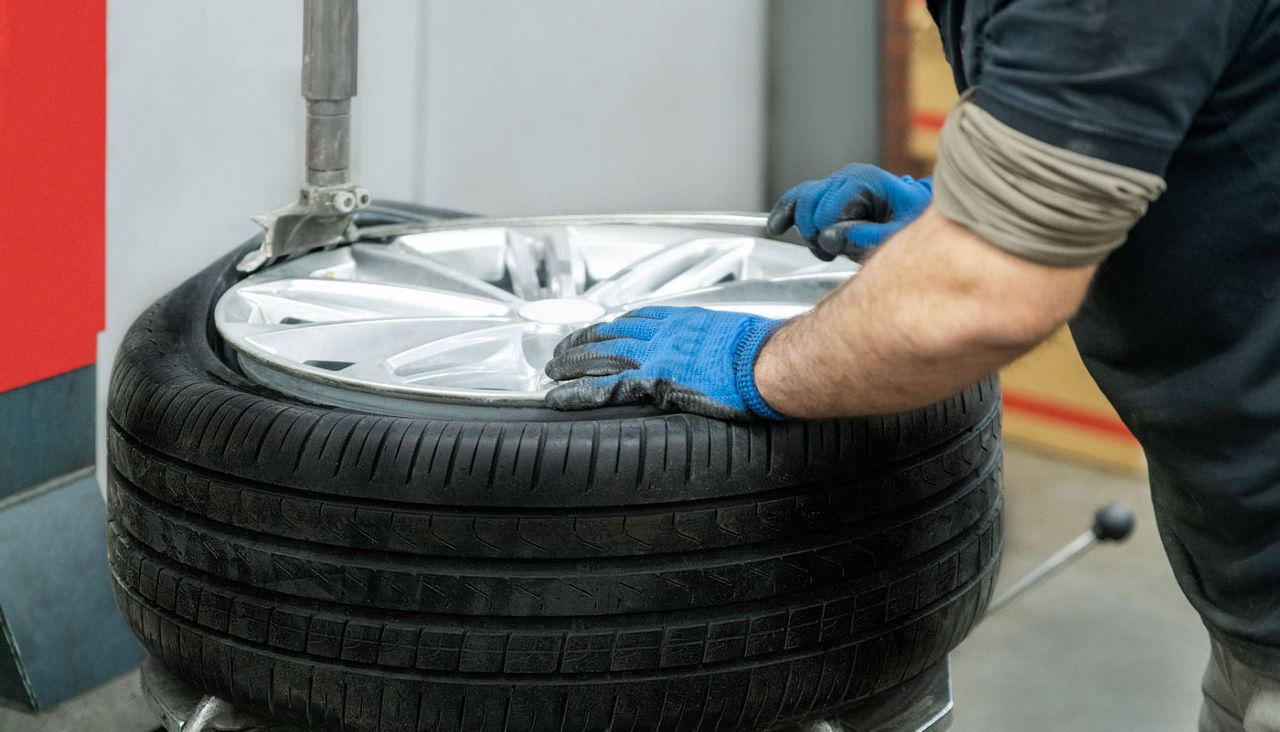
(510, 568)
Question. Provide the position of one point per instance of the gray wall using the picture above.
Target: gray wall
(542, 106)
(824, 102)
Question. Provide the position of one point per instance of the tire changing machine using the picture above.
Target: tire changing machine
(323, 216)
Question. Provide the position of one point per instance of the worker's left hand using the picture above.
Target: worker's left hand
(679, 358)
(851, 211)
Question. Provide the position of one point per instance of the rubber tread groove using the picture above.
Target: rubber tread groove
(977, 492)
(989, 424)
(259, 508)
(535, 624)
(983, 573)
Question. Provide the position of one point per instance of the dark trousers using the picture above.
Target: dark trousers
(1237, 698)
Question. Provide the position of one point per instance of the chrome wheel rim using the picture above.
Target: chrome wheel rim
(471, 315)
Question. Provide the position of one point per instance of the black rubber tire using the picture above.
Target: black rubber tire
(512, 569)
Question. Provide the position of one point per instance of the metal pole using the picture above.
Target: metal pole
(707, 219)
(1113, 522)
(1047, 569)
(328, 84)
(323, 214)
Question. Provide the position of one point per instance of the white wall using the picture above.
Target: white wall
(824, 103)
(493, 106)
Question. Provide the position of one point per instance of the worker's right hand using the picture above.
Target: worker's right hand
(852, 210)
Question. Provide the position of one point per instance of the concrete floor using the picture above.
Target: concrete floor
(1109, 644)
(116, 706)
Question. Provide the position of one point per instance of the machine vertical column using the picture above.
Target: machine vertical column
(324, 213)
(328, 84)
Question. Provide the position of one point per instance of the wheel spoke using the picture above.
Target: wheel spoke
(780, 297)
(722, 262)
(406, 266)
(507, 356)
(289, 306)
(566, 263)
(331, 300)
(521, 261)
(686, 265)
(539, 347)
(361, 342)
(477, 252)
(231, 330)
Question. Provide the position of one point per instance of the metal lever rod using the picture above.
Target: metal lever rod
(202, 718)
(708, 219)
(1113, 522)
(1047, 569)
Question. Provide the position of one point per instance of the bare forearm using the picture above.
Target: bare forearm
(934, 310)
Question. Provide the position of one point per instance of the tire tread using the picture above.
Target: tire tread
(474, 569)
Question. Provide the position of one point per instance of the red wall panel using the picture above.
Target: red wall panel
(53, 101)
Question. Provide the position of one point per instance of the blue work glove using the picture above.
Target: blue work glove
(686, 359)
(851, 211)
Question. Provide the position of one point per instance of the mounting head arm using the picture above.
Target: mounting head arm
(322, 216)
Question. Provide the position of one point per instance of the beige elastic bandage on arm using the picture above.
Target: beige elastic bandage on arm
(1032, 199)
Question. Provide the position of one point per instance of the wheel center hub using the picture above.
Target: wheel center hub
(562, 311)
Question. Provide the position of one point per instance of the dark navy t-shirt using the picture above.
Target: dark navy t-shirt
(1181, 327)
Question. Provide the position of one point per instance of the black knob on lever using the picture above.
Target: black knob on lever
(1113, 522)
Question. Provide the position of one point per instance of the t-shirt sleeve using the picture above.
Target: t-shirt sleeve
(1118, 80)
